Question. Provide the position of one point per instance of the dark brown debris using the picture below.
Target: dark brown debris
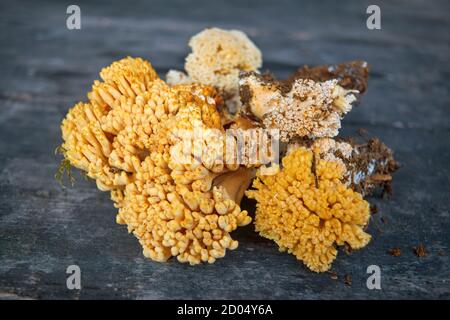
(246, 94)
(387, 189)
(395, 252)
(347, 280)
(347, 248)
(378, 178)
(113, 170)
(441, 253)
(373, 152)
(333, 275)
(420, 250)
(373, 209)
(313, 169)
(351, 75)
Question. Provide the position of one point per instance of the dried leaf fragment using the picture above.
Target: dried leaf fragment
(395, 252)
(420, 250)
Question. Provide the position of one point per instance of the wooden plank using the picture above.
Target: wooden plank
(45, 69)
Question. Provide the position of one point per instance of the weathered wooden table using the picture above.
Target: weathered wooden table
(45, 68)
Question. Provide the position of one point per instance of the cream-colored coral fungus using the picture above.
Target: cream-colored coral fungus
(305, 108)
(128, 138)
(307, 210)
(216, 59)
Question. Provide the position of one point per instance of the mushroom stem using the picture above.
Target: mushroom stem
(235, 183)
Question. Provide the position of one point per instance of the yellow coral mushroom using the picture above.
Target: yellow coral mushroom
(307, 210)
(127, 138)
(177, 176)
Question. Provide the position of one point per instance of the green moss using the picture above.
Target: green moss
(64, 169)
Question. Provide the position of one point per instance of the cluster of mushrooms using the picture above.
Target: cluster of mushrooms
(127, 138)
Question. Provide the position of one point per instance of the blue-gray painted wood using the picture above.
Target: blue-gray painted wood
(45, 69)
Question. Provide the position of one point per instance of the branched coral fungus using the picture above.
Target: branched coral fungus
(128, 138)
(178, 156)
(216, 59)
(304, 109)
(307, 210)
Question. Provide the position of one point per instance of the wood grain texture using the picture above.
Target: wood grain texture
(45, 69)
